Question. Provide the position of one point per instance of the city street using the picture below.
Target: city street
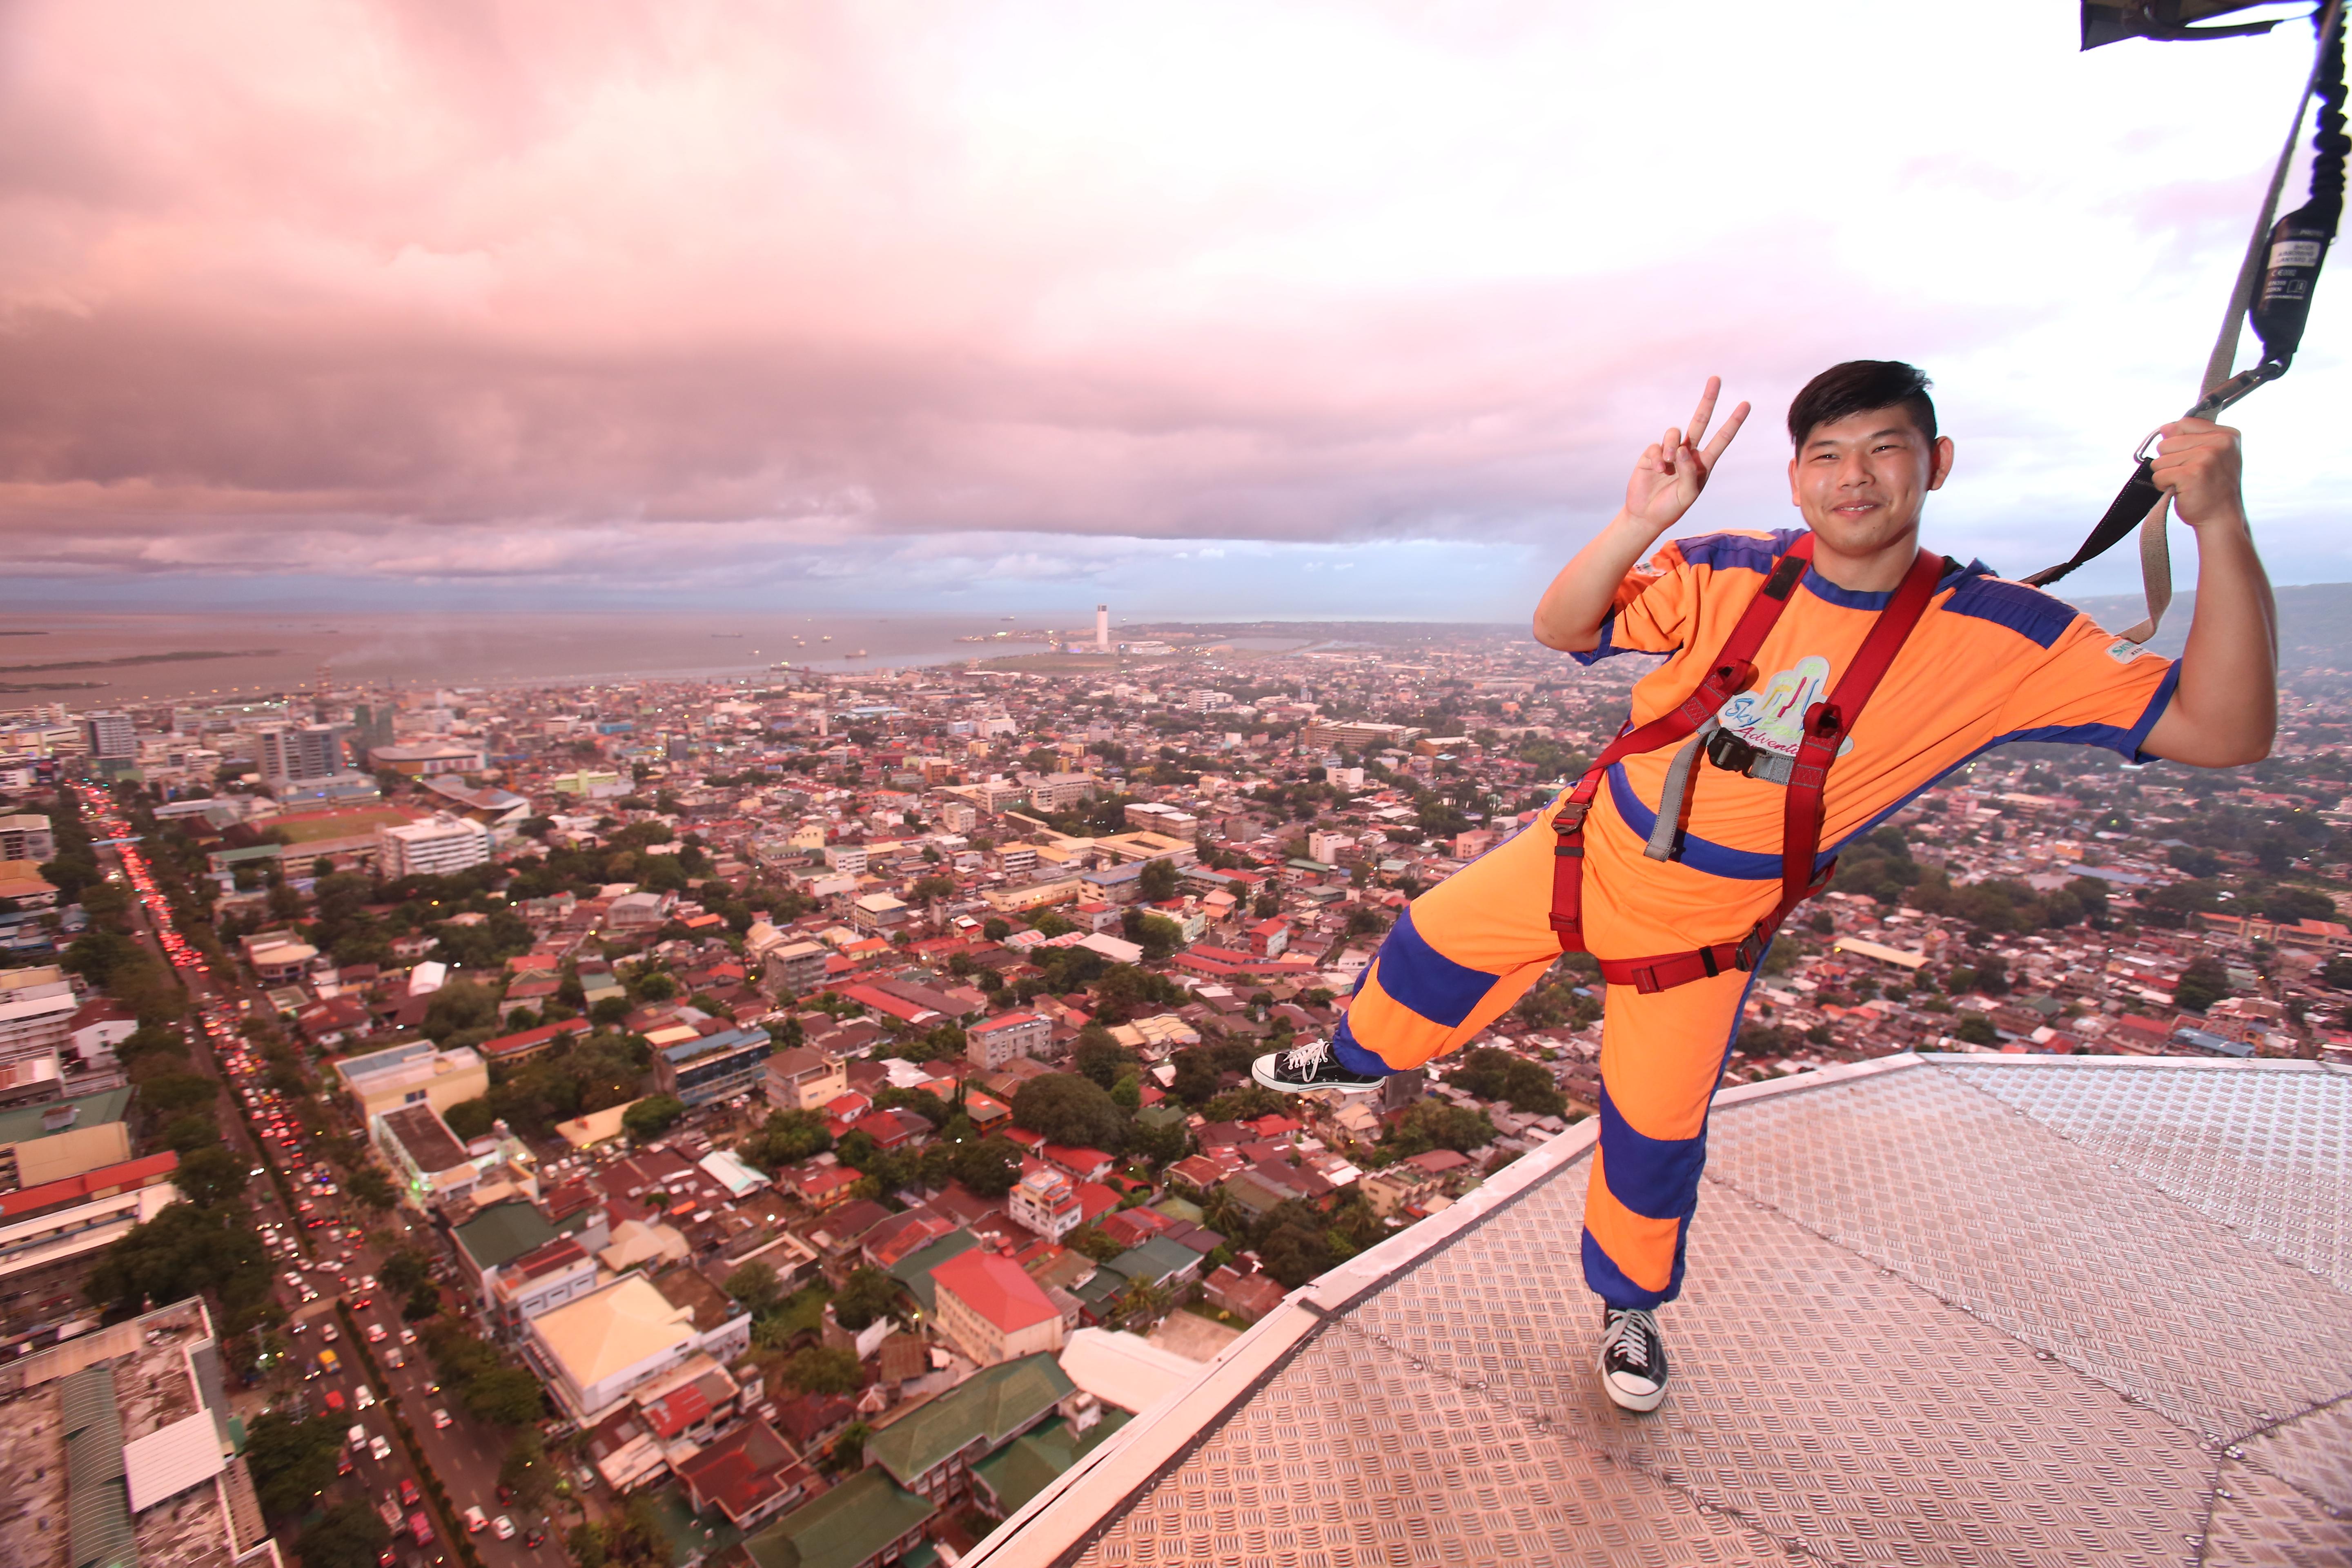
(326, 1244)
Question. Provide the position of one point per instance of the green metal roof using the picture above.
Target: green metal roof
(98, 1499)
(1029, 1465)
(23, 1123)
(991, 1408)
(1156, 1259)
(1102, 1289)
(504, 1232)
(842, 1529)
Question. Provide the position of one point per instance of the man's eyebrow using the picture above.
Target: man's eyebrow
(1874, 434)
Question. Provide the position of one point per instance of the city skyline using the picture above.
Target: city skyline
(1212, 312)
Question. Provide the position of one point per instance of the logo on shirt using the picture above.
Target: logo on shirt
(1772, 719)
(2124, 652)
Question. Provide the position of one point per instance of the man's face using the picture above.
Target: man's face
(1861, 481)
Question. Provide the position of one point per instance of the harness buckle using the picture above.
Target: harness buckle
(1570, 817)
(1749, 952)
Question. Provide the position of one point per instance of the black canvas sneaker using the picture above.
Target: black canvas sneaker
(1632, 1359)
(1312, 1066)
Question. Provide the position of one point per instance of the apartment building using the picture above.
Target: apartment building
(434, 846)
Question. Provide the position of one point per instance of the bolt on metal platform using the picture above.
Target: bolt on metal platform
(1963, 1309)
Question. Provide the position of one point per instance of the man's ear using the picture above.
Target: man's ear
(1939, 463)
(1792, 484)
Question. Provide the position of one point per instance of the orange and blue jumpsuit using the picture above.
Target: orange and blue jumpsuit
(1991, 661)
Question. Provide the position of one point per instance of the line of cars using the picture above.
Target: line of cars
(111, 823)
(278, 1127)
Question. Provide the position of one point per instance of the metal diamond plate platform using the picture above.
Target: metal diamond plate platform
(2264, 1152)
(1938, 1312)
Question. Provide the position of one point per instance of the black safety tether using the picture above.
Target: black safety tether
(2273, 293)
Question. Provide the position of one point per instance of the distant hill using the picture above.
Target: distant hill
(2315, 620)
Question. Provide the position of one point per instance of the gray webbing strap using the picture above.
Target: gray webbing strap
(2155, 550)
(1677, 793)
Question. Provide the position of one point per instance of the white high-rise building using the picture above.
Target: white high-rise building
(434, 848)
(1102, 628)
(301, 753)
(108, 734)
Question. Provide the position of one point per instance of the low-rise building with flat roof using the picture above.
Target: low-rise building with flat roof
(713, 1066)
(426, 1157)
(415, 1073)
(51, 1235)
(798, 1079)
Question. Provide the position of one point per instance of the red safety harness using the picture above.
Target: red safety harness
(1827, 724)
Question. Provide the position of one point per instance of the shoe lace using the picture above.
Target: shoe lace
(1314, 1054)
(1630, 1336)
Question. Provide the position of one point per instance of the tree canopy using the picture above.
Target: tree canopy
(1065, 1107)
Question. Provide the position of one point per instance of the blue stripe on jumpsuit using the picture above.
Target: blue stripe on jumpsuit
(1658, 1179)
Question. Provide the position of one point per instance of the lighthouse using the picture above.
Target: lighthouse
(1102, 628)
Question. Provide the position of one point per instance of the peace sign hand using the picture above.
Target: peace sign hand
(1672, 470)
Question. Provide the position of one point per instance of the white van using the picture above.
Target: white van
(358, 1435)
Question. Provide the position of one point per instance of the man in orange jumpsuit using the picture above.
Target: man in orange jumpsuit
(1987, 661)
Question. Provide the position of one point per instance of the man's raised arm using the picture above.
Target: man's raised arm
(1665, 482)
(2225, 710)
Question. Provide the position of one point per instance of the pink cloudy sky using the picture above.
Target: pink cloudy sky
(1217, 308)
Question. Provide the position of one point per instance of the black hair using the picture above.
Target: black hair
(1857, 387)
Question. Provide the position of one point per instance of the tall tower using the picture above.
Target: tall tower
(1102, 628)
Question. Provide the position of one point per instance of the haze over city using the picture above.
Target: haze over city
(1315, 310)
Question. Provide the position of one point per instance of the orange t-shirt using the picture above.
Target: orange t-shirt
(1991, 661)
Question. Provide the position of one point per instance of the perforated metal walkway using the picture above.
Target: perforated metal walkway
(1944, 1310)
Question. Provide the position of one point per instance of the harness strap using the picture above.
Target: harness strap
(1731, 670)
(1674, 798)
(1827, 727)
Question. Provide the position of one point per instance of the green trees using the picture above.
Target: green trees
(1159, 936)
(786, 1138)
(506, 1396)
(180, 1252)
(1493, 1074)
(210, 1177)
(372, 1188)
(292, 1462)
(1295, 1252)
(1976, 1029)
(473, 1371)
(819, 1370)
(1433, 1124)
(868, 1294)
(2202, 983)
(756, 1286)
(988, 1166)
(458, 1007)
(403, 1271)
(168, 1094)
(348, 1535)
(651, 1116)
(524, 1469)
(1101, 1057)
(1067, 1109)
(1158, 881)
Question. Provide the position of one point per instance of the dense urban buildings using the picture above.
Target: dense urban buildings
(825, 1095)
